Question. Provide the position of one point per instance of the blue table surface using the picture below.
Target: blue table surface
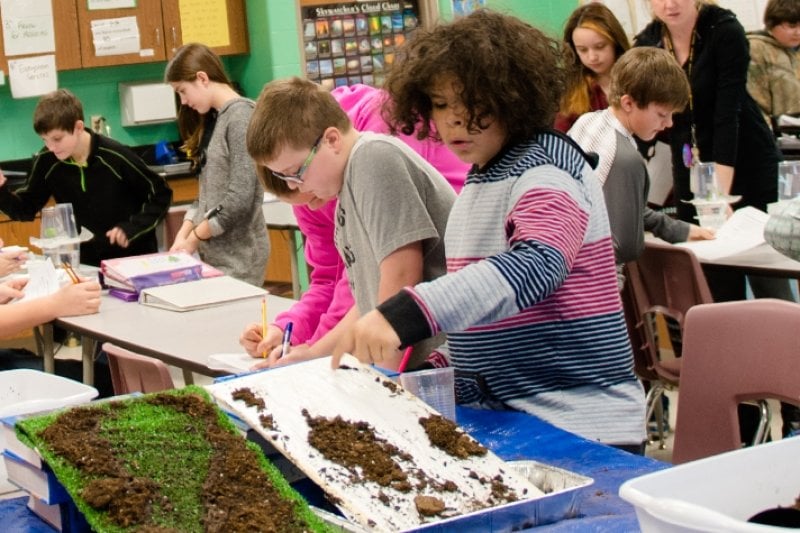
(512, 436)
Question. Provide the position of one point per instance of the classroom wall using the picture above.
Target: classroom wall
(274, 53)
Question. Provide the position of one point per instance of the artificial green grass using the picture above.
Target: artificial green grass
(163, 445)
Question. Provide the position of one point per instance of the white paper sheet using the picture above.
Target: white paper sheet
(743, 231)
(362, 394)
(32, 76)
(27, 27)
(231, 362)
(115, 36)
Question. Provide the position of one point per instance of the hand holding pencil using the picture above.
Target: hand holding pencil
(256, 343)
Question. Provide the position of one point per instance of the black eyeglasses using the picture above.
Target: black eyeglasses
(298, 178)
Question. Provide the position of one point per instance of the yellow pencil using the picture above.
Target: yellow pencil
(71, 273)
(264, 323)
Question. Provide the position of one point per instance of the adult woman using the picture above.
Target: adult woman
(225, 224)
(722, 123)
(593, 40)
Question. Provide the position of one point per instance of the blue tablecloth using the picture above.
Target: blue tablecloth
(515, 436)
(512, 436)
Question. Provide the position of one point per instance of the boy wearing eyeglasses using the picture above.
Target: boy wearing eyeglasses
(392, 204)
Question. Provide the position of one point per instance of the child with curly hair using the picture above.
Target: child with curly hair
(530, 303)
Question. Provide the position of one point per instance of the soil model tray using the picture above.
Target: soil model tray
(169, 461)
(370, 444)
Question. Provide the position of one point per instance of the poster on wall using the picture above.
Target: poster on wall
(462, 8)
(355, 42)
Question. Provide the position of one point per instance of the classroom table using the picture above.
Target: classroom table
(513, 436)
(763, 260)
(184, 340)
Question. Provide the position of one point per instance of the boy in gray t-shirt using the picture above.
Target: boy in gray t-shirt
(393, 205)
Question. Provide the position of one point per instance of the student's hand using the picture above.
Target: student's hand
(12, 289)
(11, 261)
(3, 179)
(183, 244)
(370, 340)
(256, 345)
(301, 352)
(696, 233)
(117, 236)
(77, 299)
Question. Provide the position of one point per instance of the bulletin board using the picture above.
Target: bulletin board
(355, 42)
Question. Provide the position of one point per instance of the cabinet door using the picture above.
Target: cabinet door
(65, 27)
(148, 22)
(199, 23)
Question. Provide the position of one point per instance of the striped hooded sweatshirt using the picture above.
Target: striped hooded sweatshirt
(530, 303)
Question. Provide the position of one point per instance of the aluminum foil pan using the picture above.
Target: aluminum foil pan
(560, 502)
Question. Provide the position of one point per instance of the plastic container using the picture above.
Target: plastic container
(718, 493)
(435, 386)
(711, 213)
(29, 391)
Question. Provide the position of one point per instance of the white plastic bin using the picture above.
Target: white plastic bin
(26, 391)
(718, 493)
(29, 391)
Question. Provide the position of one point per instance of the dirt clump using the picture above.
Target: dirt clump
(237, 495)
(445, 435)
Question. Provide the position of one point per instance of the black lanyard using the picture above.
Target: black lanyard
(695, 151)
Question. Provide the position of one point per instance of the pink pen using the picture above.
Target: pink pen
(404, 360)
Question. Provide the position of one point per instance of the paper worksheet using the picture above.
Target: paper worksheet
(231, 362)
(743, 231)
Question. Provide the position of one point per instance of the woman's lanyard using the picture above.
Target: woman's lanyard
(691, 153)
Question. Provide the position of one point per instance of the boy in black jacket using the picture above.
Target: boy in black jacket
(113, 193)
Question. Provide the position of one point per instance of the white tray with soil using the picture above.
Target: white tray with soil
(383, 456)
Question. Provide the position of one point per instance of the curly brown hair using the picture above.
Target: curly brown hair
(505, 68)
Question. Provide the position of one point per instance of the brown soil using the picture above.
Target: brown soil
(237, 494)
(355, 446)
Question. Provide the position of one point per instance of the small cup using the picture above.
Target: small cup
(788, 179)
(67, 217)
(711, 214)
(435, 386)
(51, 226)
(703, 181)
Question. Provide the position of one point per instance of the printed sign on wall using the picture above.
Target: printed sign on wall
(349, 43)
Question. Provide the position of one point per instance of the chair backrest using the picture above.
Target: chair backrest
(666, 280)
(132, 372)
(640, 341)
(733, 352)
(672, 277)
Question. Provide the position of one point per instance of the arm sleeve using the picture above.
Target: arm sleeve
(237, 201)
(731, 56)
(545, 231)
(665, 227)
(151, 188)
(328, 296)
(24, 203)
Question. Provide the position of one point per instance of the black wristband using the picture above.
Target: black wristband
(406, 318)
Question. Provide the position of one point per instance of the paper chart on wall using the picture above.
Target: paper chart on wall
(27, 27)
(32, 76)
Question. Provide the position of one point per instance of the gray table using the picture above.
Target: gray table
(184, 340)
(763, 260)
